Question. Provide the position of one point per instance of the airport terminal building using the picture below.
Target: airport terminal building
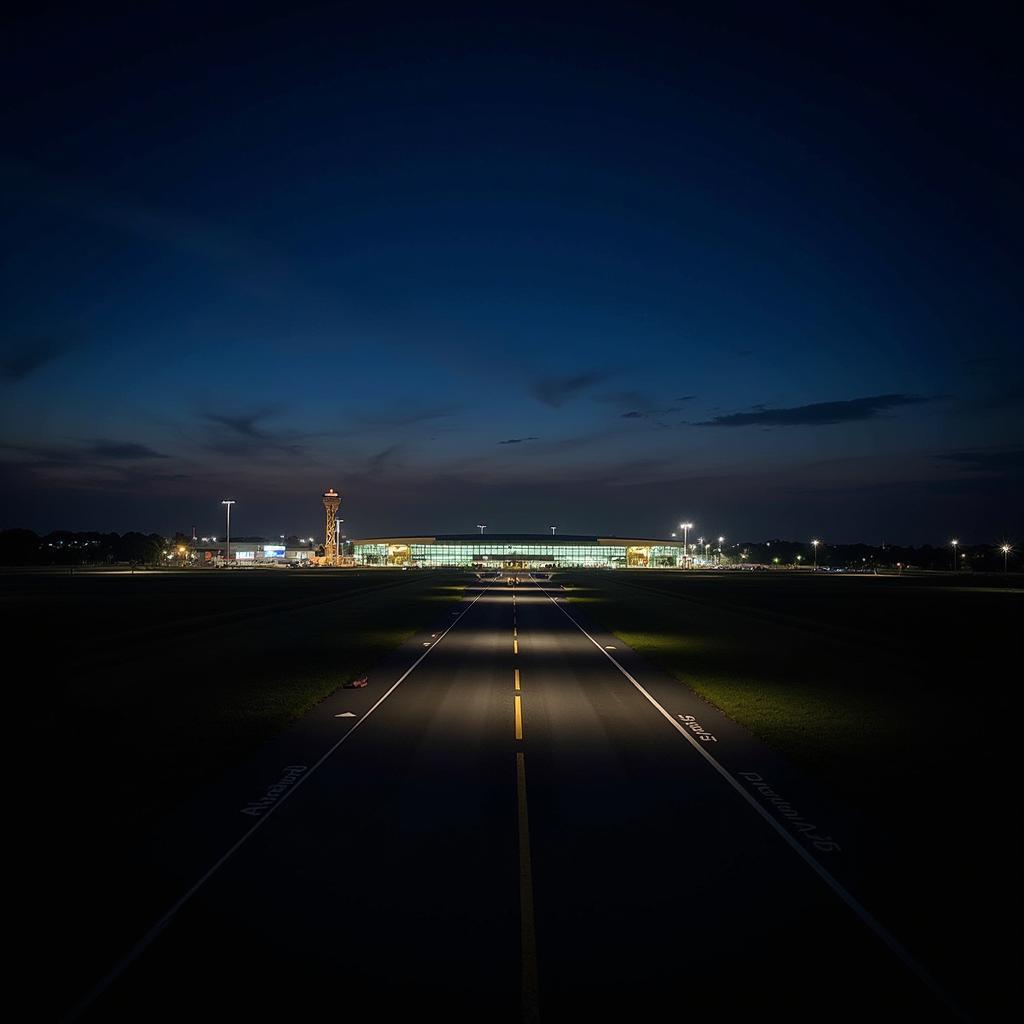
(518, 551)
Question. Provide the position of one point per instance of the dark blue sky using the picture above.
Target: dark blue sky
(605, 267)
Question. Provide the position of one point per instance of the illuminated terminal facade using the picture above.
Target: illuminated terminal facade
(518, 551)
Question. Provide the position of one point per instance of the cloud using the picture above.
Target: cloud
(242, 433)
(655, 415)
(124, 450)
(518, 440)
(555, 391)
(407, 417)
(1002, 460)
(376, 464)
(815, 415)
(243, 424)
(21, 359)
(93, 455)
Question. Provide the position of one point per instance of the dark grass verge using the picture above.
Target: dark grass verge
(127, 732)
(902, 698)
(155, 723)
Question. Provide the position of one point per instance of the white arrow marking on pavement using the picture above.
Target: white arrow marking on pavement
(345, 714)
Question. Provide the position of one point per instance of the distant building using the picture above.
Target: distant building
(255, 551)
(268, 552)
(518, 551)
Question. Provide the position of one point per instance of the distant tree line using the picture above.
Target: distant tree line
(64, 547)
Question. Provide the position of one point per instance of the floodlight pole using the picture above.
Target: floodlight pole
(685, 527)
(227, 504)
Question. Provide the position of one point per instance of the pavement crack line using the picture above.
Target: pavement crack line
(862, 913)
(157, 929)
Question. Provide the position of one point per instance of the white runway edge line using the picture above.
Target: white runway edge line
(890, 940)
(147, 940)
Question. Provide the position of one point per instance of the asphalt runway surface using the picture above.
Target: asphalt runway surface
(531, 823)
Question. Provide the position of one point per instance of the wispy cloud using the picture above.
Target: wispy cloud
(656, 415)
(407, 416)
(241, 432)
(97, 452)
(518, 440)
(20, 359)
(1003, 460)
(243, 424)
(376, 464)
(556, 391)
(105, 449)
(817, 414)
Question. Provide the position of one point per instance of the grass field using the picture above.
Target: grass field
(846, 675)
(900, 694)
(180, 674)
(139, 689)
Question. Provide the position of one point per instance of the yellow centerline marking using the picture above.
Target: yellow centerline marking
(515, 646)
(519, 717)
(527, 932)
(518, 687)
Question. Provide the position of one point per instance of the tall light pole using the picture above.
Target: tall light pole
(481, 527)
(954, 543)
(721, 541)
(552, 529)
(685, 527)
(337, 538)
(814, 544)
(227, 505)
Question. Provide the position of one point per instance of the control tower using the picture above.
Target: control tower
(332, 502)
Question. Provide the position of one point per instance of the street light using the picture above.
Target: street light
(552, 529)
(721, 541)
(814, 544)
(954, 543)
(227, 505)
(1005, 550)
(481, 527)
(685, 527)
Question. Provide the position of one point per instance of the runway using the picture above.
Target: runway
(528, 823)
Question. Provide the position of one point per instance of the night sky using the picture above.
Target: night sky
(759, 267)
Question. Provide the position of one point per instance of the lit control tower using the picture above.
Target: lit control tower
(332, 502)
